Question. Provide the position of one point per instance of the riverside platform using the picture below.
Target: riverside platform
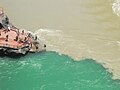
(15, 41)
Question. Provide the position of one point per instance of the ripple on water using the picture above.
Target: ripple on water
(51, 71)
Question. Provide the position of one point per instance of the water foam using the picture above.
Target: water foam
(116, 7)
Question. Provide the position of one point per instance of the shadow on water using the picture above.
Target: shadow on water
(18, 56)
(14, 56)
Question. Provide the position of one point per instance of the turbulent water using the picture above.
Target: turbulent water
(88, 31)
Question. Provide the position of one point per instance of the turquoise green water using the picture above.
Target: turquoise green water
(78, 28)
(51, 71)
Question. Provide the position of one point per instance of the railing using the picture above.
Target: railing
(14, 46)
(8, 45)
(11, 46)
